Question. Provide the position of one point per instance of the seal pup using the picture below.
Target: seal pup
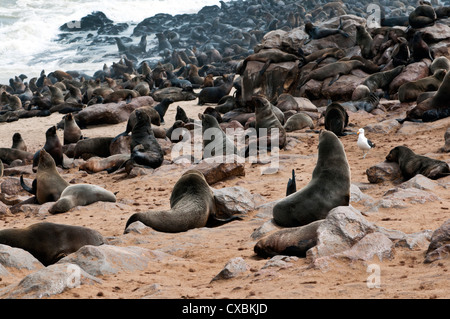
(49, 242)
(48, 184)
(412, 164)
(336, 119)
(72, 132)
(18, 142)
(328, 188)
(298, 121)
(363, 143)
(81, 195)
(215, 141)
(145, 149)
(53, 147)
(162, 108)
(192, 205)
(440, 63)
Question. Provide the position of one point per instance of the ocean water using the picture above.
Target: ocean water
(29, 29)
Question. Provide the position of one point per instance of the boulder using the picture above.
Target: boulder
(216, 170)
(234, 200)
(439, 247)
(384, 172)
(412, 72)
(233, 268)
(18, 258)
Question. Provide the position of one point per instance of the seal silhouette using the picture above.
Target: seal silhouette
(48, 184)
(49, 242)
(412, 164)
(192, 205)
(81, 195)
(328, 188)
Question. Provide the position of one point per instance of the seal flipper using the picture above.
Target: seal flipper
(32, 189)
(291, 186)
(213, 221)
(265, 67)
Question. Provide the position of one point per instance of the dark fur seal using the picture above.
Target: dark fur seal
(266, 119)
(381, 80)
(72, 132)
(420, 49)
(192, 205)
(412, 164)
(181, 116)
(81, 195)
(293, 241)
(336, 118)
(162, 107)
(328, 188)
(7, 155)
(214, 94)
(153, 115)
(49, 242)
(333, 70)
(364, 40)
(94, 146)
(48, 184)
(53, 147)
(423, 16)
(298, 121)
(291, 185)
(315, 32)
(267, 56)
(18, 142)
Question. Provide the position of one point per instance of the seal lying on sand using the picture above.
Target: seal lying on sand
(412, 164)
(49, 242)
(328, 188)
(192, 205)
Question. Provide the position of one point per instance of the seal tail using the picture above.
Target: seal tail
(31, 190)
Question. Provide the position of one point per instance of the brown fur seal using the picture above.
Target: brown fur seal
(81, 195)
(53, 147)
(409, 92)
(72, 132)
(7, 155)
(420, 49)
(18, 142)
(268, 56)
(153, 115)
(215, 141)
(364, 40)
(145, 149)
(440, 63)
(181, 116)
(412, 164)
(192, 205)
(336, 118)
(293, 241)
(328, 188)
(315, 32)
(49, 242)
(95, 146)
(381, 80)
(334, 70)
(121, 95)
(48, 184)
(423, 16)
(320, 55)
(298, 121)
(266, 119)
(162, 107)
(214, 94)
(110, 164)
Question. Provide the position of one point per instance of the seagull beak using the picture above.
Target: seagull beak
(357, 133)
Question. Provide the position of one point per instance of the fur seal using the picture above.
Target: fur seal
(153, 115)
(336, 119)
(110, 164)
(423, 16)
(440, 63)
(7, 155)
(364, 40)
(315, 32)
(53, 147)
(121, 95)
(215, 93)
(49, 242)
(267, 56)
(328, 188)
(81, 195)
(420, 49)
(192, 205)
(48, 184)
(298, 121)
(266, 119)
(162, 107)
(412, 164)
(334, 70)
(410, 91)
(18, 142)
(145, 149)
(181, 115)
(293, 241)
(381, 80)
(72, 132)
(291, 185)
(94, 146)
(215, 141)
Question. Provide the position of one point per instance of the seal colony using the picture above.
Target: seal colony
(134, 88)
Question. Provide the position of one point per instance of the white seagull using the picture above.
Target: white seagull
(363, 143)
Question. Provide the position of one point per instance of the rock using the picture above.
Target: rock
(51, 280)
(357, 196)
(234, 200)
(437, 32)
(138, 228)
(17, 258)
(280, 261)
(216, 170)
(233, 268)
(400, 196)
(384, 127)
(305, 105)
(384, 172)
(108, 259)
(342, 89)
(11, 186)
(412, 72)
(446, 147)
(439, 247)
(264, 229)
(420, 182)
(373, 244)
(111, 113)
